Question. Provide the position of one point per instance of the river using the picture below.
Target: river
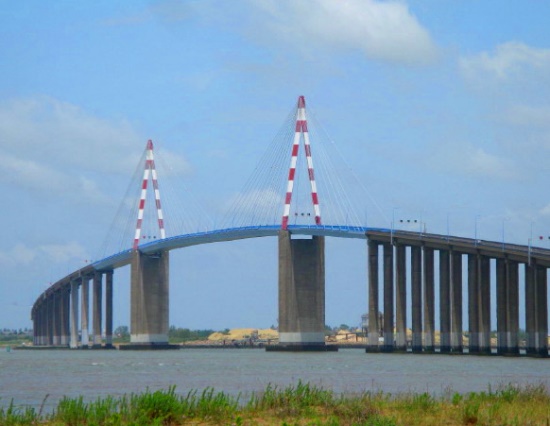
(27, 376)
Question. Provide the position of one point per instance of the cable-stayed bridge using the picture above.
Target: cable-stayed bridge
(302, 203)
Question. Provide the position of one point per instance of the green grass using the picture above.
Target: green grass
(299, 404)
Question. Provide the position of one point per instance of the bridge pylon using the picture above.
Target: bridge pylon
(301, 264)
(149, 286)
(149, 172)
(301, 130)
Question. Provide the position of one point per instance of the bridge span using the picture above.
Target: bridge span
(301, 275)
(58, 322)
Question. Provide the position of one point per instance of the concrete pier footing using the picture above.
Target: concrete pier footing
(301, 294)
(149, 299)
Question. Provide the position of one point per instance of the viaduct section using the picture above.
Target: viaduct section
(410, 258)
(75, 311)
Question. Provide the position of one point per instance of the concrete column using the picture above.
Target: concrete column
(388, 298)
(484, 285)
(74, 315)
(109, 309)
(50, 302)
(456, 302)
(149, 299)
(401, 298)
(444, 300)
(530, 308)
(473, 303)
(541, 304)
(512, 316)
(429, 299)
(416, 298)
(85, 306)
(57, 314)
(374, 326)
(502, 307)
(65, 316)
(96, 309)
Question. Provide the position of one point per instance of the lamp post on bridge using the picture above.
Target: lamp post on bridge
(503, 244)
(475, 230)
(392, 224)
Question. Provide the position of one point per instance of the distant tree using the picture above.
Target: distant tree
(344, 327)
(122, 331)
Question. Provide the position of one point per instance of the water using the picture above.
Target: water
(28, 376)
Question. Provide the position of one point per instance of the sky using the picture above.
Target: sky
(440, 108)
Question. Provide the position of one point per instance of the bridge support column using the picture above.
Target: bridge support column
(416, 297)
(50, 301)
(388, 298)
(149, 300)
(429, 298)
(474, 306)
(374, 326)
(530, 308)
(73, 343)
(96, 309)
(444, 301)
(301, 293)
(56, 317)
(513, 308)
(109, 309)
(484, 302)
(456, 302)
(541, 309)
(66, 319)
(507, 307)
(401, 298)
(84, 315)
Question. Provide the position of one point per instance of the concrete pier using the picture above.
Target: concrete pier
(97, 310)
(73, 343)
(456, 302)
(429, 300)
(416, 297)
(374, 326)
(473, 303)
(400, 298)
(541, 309)
(109, 309)
(484, 302)
(84, 309)
(149, 299)
(56, 317)
(301, 293)
(444, 301)
(388, 298)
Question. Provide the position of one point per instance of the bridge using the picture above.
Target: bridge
(61, 313)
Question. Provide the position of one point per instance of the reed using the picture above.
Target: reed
(300, 404)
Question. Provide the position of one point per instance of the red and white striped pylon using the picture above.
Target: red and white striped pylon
(149, 167)
(301, 129)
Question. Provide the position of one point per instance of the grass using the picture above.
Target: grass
(300, 404)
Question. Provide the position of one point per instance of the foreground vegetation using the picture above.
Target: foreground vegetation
(302, 404)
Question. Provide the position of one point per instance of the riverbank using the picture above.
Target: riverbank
(300, 404)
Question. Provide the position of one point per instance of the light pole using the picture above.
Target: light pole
(475, 230)
(392, 224)
(503, 220)
(448, 231)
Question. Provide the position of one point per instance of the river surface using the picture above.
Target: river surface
(27, 376)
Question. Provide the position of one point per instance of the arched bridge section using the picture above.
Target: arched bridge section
(432, 260)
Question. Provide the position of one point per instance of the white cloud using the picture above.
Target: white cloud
(475, 161)
(382, 30)
(22, 255)
(53, 146)
(509, 60)
(545, 211)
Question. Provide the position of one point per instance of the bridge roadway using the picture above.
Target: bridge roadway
(482, 250)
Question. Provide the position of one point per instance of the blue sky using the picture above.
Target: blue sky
(440, 108)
